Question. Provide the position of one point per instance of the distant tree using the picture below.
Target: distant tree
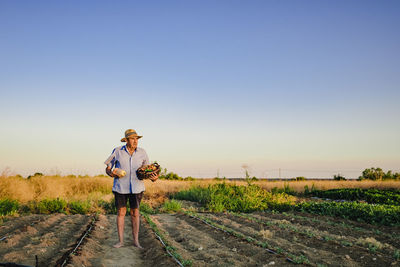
(339, 177)
(378, 174)
(301, 178)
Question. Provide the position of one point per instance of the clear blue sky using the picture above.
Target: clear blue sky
(311, 87)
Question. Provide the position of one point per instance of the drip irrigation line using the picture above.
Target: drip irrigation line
(220, 229)
(165, 246)
(64, 259)
(253, 219)
(162, 242)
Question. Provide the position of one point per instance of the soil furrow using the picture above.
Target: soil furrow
(289, 238)
(341, 227)
(277, 237)
(207, 246)
(48, 240)
(18, 223)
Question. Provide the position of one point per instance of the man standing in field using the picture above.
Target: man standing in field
(126, 186)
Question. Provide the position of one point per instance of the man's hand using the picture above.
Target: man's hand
(154, 177)
(110, 172)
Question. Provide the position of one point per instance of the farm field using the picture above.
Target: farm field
(202, 223)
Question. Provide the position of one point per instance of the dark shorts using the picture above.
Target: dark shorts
(134, 200)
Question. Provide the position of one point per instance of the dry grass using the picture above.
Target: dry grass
(298, 186)
(95, 188)
(38, 188)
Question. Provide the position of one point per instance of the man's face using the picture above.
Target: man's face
(132, 141)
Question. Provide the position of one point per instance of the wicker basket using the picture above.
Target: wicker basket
(146, 171)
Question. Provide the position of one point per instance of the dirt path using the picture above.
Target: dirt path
(128, 255)
(98, 249)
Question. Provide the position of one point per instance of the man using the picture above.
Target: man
(129, 158)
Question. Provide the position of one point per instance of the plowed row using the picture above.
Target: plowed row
(314, 240)
(50, 237)
(310, 239)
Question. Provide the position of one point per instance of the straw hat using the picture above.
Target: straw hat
(130, 133)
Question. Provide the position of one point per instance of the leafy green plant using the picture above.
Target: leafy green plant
(47, 206)
(79, 207)
(144, 207)
(373, 196)
(227, 197)
(171, 206)
(375, 214)
(8, 207)
(396, 254)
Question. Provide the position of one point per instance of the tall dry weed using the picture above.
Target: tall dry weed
(49, 187)
(95, 188)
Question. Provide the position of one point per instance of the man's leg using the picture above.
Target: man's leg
(135, 217)
(134, 202)
(120, 203)
(120, 226)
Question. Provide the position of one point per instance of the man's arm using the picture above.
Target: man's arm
(110, 172)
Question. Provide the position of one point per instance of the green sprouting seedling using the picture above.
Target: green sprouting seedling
(372, 248)
(346, 243)
(299, 259)
(396, 254)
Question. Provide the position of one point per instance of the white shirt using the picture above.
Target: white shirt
(120, 158)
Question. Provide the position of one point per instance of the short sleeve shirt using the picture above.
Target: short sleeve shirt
(120, 158)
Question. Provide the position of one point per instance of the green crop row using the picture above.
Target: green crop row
(370, 213)
(227, 197)
(222, 196)
(373, 196)
(48, 206)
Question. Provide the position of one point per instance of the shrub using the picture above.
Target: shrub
(222, 197)
(171, 206)
(79, 207)
(338, 177)
(300, 178)
(8, 207)
(47, 206)
(170, 176)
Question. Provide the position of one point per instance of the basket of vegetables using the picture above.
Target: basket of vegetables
(148, 171)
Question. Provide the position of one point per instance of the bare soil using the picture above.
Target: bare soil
(55, 235)
(314, 240)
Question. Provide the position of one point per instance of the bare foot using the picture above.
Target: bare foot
(118, 245)
(137, 245)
